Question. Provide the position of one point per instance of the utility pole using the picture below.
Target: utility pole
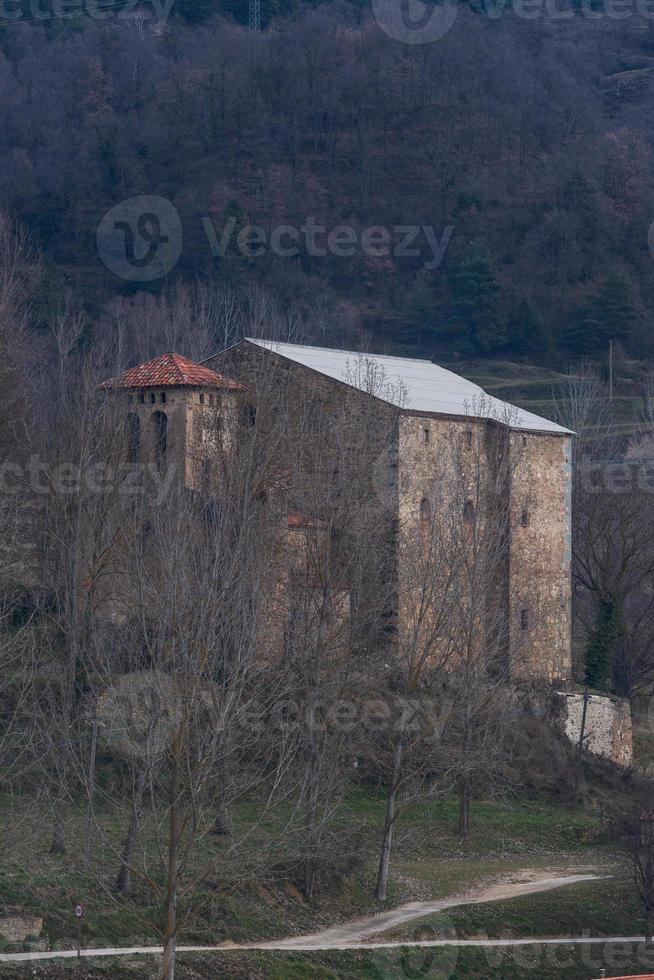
(254, 15)
(610, 370)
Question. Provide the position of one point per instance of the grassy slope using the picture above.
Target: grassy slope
(532, 387)
(429, 862)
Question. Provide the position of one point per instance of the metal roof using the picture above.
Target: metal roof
(413, 384)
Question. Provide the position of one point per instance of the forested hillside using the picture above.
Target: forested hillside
(519, 149)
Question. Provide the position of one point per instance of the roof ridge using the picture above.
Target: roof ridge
(171, 369)
(343, 350)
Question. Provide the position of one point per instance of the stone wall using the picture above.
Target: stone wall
(540, 557)
(459, 463)
(607, 729)
(16, 929)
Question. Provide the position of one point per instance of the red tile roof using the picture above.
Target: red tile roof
(170, 370)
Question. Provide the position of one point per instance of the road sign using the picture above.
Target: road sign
(80, 910)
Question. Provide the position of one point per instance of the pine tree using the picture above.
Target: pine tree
(526, 333)
(581, 335)
(416, 311)
(609, 315)
(614, 310)
(475, 302)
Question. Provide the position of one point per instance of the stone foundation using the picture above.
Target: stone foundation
(16, 929)
(607, 730)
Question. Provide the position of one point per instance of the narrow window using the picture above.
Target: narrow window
(133, 427)
(425, 518)
(524, 619)
(426, 436)
(524, 440)
(163, 397)
(524, 517)
(211, 400)
(250, 415)
(153, 397)
(202, 399)
(469, 438)
(142, 398)
(468, 512)
(159, 429)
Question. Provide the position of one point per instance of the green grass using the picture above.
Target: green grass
(603, 908)
(543, 963)
(428, 862)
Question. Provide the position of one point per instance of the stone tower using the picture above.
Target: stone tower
(176, 412)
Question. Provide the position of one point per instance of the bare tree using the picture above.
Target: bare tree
(633, 828)
(613, 540)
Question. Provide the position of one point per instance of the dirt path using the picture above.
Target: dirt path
(357, 934)
(360, 930)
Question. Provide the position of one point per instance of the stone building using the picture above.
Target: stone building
(433, 436)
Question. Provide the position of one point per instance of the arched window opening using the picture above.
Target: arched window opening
(153, 398)
(469, 512)
(133, 433)
(524, 517)
(159, 427)
(524, 619)
(142, 398)
(250, 415)
(201, 399)
(468, 438)
(425, 518)
(163, 397)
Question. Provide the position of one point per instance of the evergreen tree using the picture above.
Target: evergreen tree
(582, 332)
(526, 333)
(603, 644)
(416, 311)
(475, 301)
(614, 310)
(608, 316)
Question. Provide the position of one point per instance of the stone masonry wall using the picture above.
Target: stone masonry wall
(607, 729)
(540, 557)
(532, 590)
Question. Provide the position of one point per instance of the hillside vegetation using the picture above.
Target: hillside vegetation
(530, 140)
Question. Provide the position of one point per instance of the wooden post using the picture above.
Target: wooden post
(610, 370)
